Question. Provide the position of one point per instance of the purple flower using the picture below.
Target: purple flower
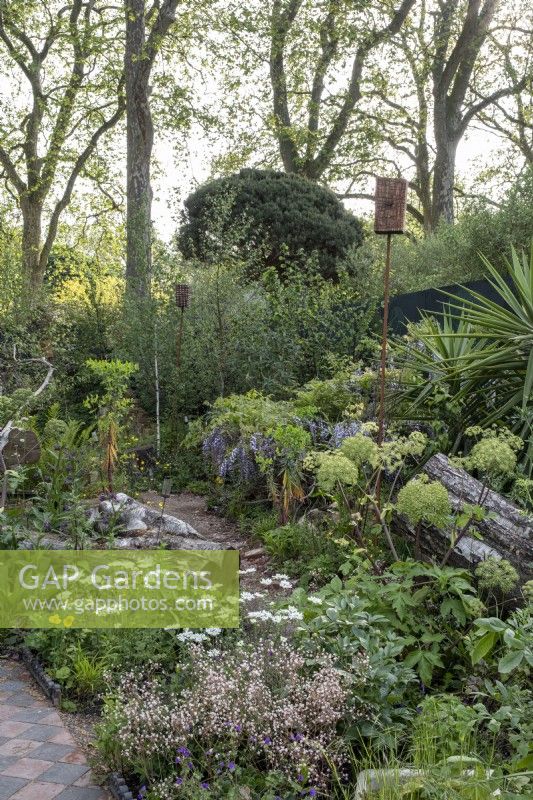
(238, 462)
(312, 792)
(204, 785)
(214, 446)
(342, 430)
(262, 445)
(319, 429)
(179, 781)
(267, 740)
(238, 728)
(231, 765)
(183, 751)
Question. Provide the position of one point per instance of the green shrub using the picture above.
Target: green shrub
(281, 217)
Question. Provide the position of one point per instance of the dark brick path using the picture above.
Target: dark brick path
(39, 759)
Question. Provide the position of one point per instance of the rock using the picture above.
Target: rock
(150, 525)
(153, 540)
(256, 553)
(93, 517)
(22, 448)
(41, 544)
(135, 526)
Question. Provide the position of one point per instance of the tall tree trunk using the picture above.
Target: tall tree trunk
(446, 125)
(443, 183)
(32, 213)
(140, 139)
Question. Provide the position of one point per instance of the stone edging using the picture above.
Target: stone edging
(118, 787)
(51, 689)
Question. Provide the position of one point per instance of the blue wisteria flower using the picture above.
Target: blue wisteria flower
(319, 429)
(214, 446)
(263, 446)
(342, 430)
(240, 463)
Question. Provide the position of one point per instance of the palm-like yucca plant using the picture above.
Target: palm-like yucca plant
(482, 351)
(430, 358)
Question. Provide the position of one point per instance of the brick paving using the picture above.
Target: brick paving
(39, 759)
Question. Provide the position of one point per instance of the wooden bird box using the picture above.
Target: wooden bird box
(390, 205)
(183, 295)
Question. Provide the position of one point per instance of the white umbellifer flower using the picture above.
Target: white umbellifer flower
(213, 631)
(280, 576)
(266, 581)
(262, 616)
(317, 601)
(247, 571)
(214, 652)
(246, 597)
(191, 636)
(285, 584)
(292, 613)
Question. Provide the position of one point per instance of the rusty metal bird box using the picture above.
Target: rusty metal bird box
(183, 295)
(390, 205)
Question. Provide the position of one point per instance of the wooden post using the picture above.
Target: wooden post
(384, 342)
(390, 207)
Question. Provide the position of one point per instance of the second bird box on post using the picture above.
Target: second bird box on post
(183, 295)
(390, 205)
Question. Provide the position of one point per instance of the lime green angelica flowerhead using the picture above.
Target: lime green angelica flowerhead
(492, 456)
(527, 591)
(361, 450)
(496, 574)
(332, 469)
(426, 501)
(495, 453)
(398, 449)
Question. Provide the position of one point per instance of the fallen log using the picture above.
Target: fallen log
(508, 533)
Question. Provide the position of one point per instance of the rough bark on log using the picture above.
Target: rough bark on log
(509, 534)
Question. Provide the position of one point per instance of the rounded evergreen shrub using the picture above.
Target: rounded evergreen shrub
(271, 219)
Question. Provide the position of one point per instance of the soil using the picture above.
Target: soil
(192, 508)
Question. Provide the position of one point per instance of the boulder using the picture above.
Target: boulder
(22, 448)
(149, 526)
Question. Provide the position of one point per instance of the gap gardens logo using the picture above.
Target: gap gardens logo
(114, 589)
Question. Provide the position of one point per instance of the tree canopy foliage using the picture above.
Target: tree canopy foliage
(278, 216)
